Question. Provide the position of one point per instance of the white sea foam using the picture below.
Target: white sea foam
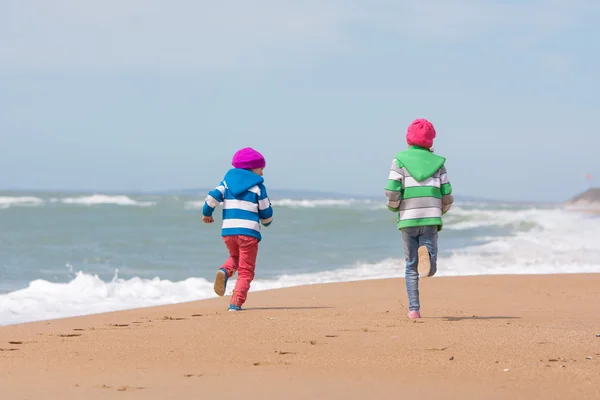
(308, 203)
(543, 241)
(98, 199)
(194, 205)
(23, 201)
(88, 294)
(460, 218)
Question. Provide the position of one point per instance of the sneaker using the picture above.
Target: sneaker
(414, 315)
(233, 307)
(424, 262)
(221, 282)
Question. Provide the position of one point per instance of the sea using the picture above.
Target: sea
(70, 254)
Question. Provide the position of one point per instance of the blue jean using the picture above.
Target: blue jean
(414, 238)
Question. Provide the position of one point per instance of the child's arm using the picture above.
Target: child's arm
(393, 189)
(446, 188)
(265, 211)
(214, 198)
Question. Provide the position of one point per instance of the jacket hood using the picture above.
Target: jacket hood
(420, 162)
(239, 181)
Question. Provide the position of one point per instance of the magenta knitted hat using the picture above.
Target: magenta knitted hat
(248, 158)
(420, 133)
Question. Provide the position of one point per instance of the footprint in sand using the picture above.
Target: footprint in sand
(103, 387)
(121, 388)
(165, 318)
(440, 349)
(125, 388)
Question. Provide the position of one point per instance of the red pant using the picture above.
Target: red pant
(242, 258)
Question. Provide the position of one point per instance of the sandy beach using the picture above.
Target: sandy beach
(491, 337)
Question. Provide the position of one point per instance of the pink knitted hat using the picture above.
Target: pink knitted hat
(248, 158)
(420, 133)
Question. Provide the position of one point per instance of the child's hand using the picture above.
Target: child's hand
(207, 220)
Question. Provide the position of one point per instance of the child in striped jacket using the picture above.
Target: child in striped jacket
(245, 206)
(419, 191)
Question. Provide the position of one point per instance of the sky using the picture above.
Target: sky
(149, 95)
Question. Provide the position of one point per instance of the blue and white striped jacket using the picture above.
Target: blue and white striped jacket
(245, 203)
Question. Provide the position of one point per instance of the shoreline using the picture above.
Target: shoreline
(284, 288)
(493, 337)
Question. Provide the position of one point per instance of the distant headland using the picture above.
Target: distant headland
(589, 198)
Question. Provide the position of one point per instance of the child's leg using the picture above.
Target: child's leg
(248, 249)
(231, 265)
(410, 237)
(429, 239)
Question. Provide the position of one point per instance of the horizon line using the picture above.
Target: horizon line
(465, 197)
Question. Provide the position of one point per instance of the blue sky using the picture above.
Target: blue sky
(136, 95)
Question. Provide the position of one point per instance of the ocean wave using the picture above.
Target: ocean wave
(314, 203)
(460, 218)
(553, 251)
(88, 294)
(100, 199)
(309, 203)
(91, 200)
(23, 201)
(540, 241)
(194, 205)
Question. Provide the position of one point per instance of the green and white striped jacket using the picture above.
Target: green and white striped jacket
(418, 188)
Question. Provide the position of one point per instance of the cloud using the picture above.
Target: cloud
(202, 35)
